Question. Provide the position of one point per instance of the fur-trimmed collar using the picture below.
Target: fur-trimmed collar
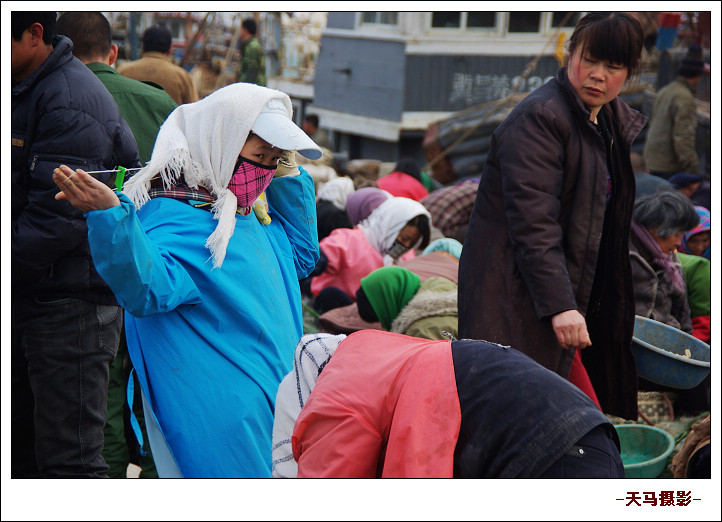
(437, 296)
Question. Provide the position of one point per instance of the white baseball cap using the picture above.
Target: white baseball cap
(276, 127)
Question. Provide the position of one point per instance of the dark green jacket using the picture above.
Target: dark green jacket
(145, 107)
(253, 63)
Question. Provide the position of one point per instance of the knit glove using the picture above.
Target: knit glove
(287, 165)
(260, 208)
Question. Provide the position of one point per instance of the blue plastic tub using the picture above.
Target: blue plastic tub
(644, 449)
(659, 353)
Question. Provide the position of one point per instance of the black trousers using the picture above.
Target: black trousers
(595, 455)
(61, 355)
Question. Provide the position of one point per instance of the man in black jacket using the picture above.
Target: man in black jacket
(65, 320)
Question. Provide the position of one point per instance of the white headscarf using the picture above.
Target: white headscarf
(313, 352)
(202, 140)
(386, 221)
(336, 191)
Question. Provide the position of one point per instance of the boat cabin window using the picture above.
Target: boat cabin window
(382, 17)
(463, 20)
(569, 21)
(524, 21)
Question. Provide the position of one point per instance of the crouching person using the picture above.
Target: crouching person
(387, 405)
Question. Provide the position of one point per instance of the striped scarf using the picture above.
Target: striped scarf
(668, 262)
(182, 192)
(185, 193)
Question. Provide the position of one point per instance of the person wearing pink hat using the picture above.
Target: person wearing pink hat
(697, 241)
(694, 254)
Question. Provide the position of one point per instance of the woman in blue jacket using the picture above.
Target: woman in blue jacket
(211, 293)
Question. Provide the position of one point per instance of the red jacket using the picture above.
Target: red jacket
(403, 185)
(384, 406)
(350, 258)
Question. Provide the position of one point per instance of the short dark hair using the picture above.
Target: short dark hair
(667, 212)
(157, 38)
(89, 31)
(615, 37)
(21, 20)
(365, 309)
(312, 119)
(409, 166)
(249, 24)
(692, 64)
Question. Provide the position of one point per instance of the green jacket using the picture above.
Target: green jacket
(253, 63)
(670, 144)
(697, 275)
(431, 311)
(145, 107)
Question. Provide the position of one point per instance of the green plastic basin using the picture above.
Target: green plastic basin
(645, 449)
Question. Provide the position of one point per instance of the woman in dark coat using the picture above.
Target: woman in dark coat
(660, 289)
(545, 266)
(658, 223)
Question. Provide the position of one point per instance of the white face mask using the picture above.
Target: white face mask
(397, 249)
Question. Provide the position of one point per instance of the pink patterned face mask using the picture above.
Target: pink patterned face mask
(249, 181)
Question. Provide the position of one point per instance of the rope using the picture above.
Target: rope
(644, 417)
(189, 46)
(669, 406)
(310, 310)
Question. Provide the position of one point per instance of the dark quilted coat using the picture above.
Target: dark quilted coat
(61, 114)
(540, 241)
